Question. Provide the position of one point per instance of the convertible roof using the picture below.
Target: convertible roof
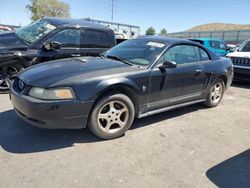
(165, 40)
(168, 41)
(68, 21)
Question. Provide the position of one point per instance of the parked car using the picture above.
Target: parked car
(232, 47)
(241, 61)
(137, 78)
(219, 47)
(49, 39)
(4, 28)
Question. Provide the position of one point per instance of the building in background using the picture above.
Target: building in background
(4, 27)
(122, 31)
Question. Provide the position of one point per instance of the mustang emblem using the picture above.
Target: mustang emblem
(20, 84)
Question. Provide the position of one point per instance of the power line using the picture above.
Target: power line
(112, 10)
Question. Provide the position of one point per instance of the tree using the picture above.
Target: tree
(163, 32)
(51, 8)
(150, 31)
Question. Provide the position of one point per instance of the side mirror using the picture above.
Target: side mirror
(53, 45)
(167, 65)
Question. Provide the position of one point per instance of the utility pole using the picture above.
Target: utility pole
(112, 10)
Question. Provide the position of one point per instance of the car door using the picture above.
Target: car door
(176, 85)
(96, 41)
(69, 39)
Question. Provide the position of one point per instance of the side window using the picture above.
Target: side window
(204, 55)
(69, 38)
(182, 54)
(223, 46)
(97, 39)
(214, 44)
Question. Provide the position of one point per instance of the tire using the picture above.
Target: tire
(7, 74)
(216, 93)
(111, 116)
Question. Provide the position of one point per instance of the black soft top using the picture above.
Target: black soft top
(169, 41)
(164, 40)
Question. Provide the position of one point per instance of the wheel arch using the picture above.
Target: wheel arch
(16, 61)
(223, 77)
(123, 86)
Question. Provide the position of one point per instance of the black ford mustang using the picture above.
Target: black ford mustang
(136, 78)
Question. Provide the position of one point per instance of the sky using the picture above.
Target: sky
(174, 15)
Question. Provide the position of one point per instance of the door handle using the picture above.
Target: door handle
(198, 72)
(75, 55)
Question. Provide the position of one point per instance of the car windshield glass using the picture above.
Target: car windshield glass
(137, 51)
(245, 47)
(34, 31)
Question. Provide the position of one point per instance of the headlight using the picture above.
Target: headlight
(51, 94)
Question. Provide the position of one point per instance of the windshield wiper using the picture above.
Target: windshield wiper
(119, 59)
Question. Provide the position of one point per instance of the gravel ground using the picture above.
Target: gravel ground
(188, 147)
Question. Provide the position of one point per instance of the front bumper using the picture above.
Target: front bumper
(241, 73)
(66, 114)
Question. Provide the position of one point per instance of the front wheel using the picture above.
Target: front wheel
(216, 93)
(7, 74)
(111, 116)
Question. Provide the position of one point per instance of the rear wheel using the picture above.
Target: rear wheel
(216, 93)
(7, 74)
(111, 116)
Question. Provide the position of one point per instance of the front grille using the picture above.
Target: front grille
(241, 61)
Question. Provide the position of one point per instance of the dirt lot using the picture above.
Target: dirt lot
(188, 147)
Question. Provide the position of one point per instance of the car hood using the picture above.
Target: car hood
(73, 71)
(10, 41)
(239, 54)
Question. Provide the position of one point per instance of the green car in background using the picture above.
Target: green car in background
(219, 47)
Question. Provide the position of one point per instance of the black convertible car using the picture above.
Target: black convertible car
(136, 78)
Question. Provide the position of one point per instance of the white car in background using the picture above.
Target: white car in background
(231, 47)
(241, 61)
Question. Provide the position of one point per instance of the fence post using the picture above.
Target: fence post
(237, 39)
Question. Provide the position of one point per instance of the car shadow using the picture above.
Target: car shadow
(16, 136)
(234, 172)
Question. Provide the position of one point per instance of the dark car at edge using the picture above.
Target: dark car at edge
(50, 39)
(136, 78)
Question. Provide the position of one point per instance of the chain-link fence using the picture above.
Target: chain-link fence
(229, 36)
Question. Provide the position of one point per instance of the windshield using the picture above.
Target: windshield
(137, 51)
(34, 31)
(245, 47)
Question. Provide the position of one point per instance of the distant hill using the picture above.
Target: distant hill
(219, 26)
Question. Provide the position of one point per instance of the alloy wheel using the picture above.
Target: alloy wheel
(7, 75)
(217, 91)
(113, 116)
